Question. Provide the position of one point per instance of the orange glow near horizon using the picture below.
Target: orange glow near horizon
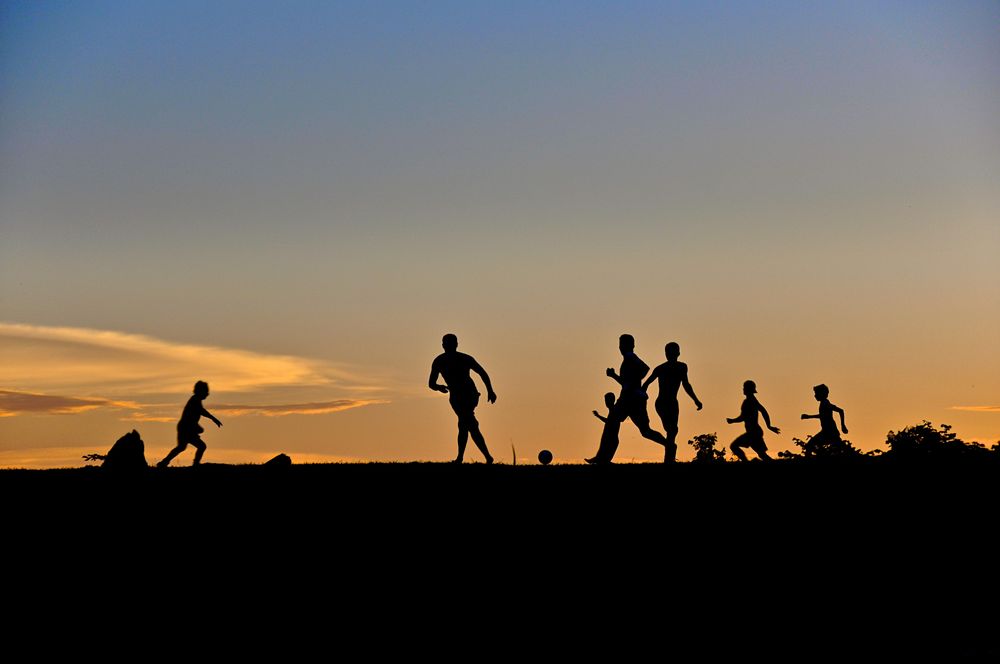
(295, 206)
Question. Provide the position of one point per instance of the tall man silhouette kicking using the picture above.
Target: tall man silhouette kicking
(631, 402)
(671, 374)
(454, 367)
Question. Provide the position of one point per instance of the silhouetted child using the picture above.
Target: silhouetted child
(754, 436)
(828, 428)
(188, 429)
(609, 437)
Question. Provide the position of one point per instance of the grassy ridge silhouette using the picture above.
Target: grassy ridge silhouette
(869, 556)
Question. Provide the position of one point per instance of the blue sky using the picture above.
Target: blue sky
(345, 182)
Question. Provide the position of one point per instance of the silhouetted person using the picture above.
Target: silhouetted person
(671, 374)
(454, 367)
(188, 430)
(631, 402)
(754, 436)
(609, 435)
(828, 428)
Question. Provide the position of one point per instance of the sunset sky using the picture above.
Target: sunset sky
(294, 201)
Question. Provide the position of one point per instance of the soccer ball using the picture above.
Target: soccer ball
(545, 457)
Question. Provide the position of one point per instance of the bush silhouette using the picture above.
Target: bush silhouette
(704, 448)
(924, 441)
(822, 447)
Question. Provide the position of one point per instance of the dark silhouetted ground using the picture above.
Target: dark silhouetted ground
(792, 559)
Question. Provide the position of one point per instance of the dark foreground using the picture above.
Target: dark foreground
(798, 560)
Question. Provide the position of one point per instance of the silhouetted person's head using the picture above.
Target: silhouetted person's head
(449, 342)
(821, 392)
(672, 350)
(626, 343)
(749, 387)
(609, 399)
(201, 389)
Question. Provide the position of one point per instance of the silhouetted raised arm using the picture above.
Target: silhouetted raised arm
(491, 396)
(600, 417)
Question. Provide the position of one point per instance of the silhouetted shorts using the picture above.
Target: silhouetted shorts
(464, 406)
(668, 410)
(754, 441)
(631, 408)
(189, 437)
(830, 435)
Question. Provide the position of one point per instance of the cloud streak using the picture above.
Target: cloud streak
(15, 403)
(68, 358)
(69, 370)
(281, 410)
(978, 409)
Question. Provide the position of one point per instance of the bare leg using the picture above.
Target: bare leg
(737, 451)
(480, 441)
(667, 410)
(670, 451)
(609, 445)
(201, 446)
(170, 457)
(652, 434)
(463, 440)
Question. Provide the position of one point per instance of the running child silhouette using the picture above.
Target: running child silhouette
(828, 428)
(188, 430)
(754, 436)
(609, 436)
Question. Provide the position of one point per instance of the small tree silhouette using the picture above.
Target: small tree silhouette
(704, 448)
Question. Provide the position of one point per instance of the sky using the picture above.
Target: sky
(295, 201)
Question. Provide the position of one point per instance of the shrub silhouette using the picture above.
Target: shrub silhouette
(924, 441)
(822, 447)
(704, 448)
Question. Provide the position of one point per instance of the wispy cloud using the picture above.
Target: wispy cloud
(150, 378)
(15, 403)
(68, 358)
(978, 409)
(142, 416)
(280, 410)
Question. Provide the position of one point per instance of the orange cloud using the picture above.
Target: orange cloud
(102, 368)
(280, 410)
(978, 409)
(15, 403)
(71, 359)
(143, 417)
